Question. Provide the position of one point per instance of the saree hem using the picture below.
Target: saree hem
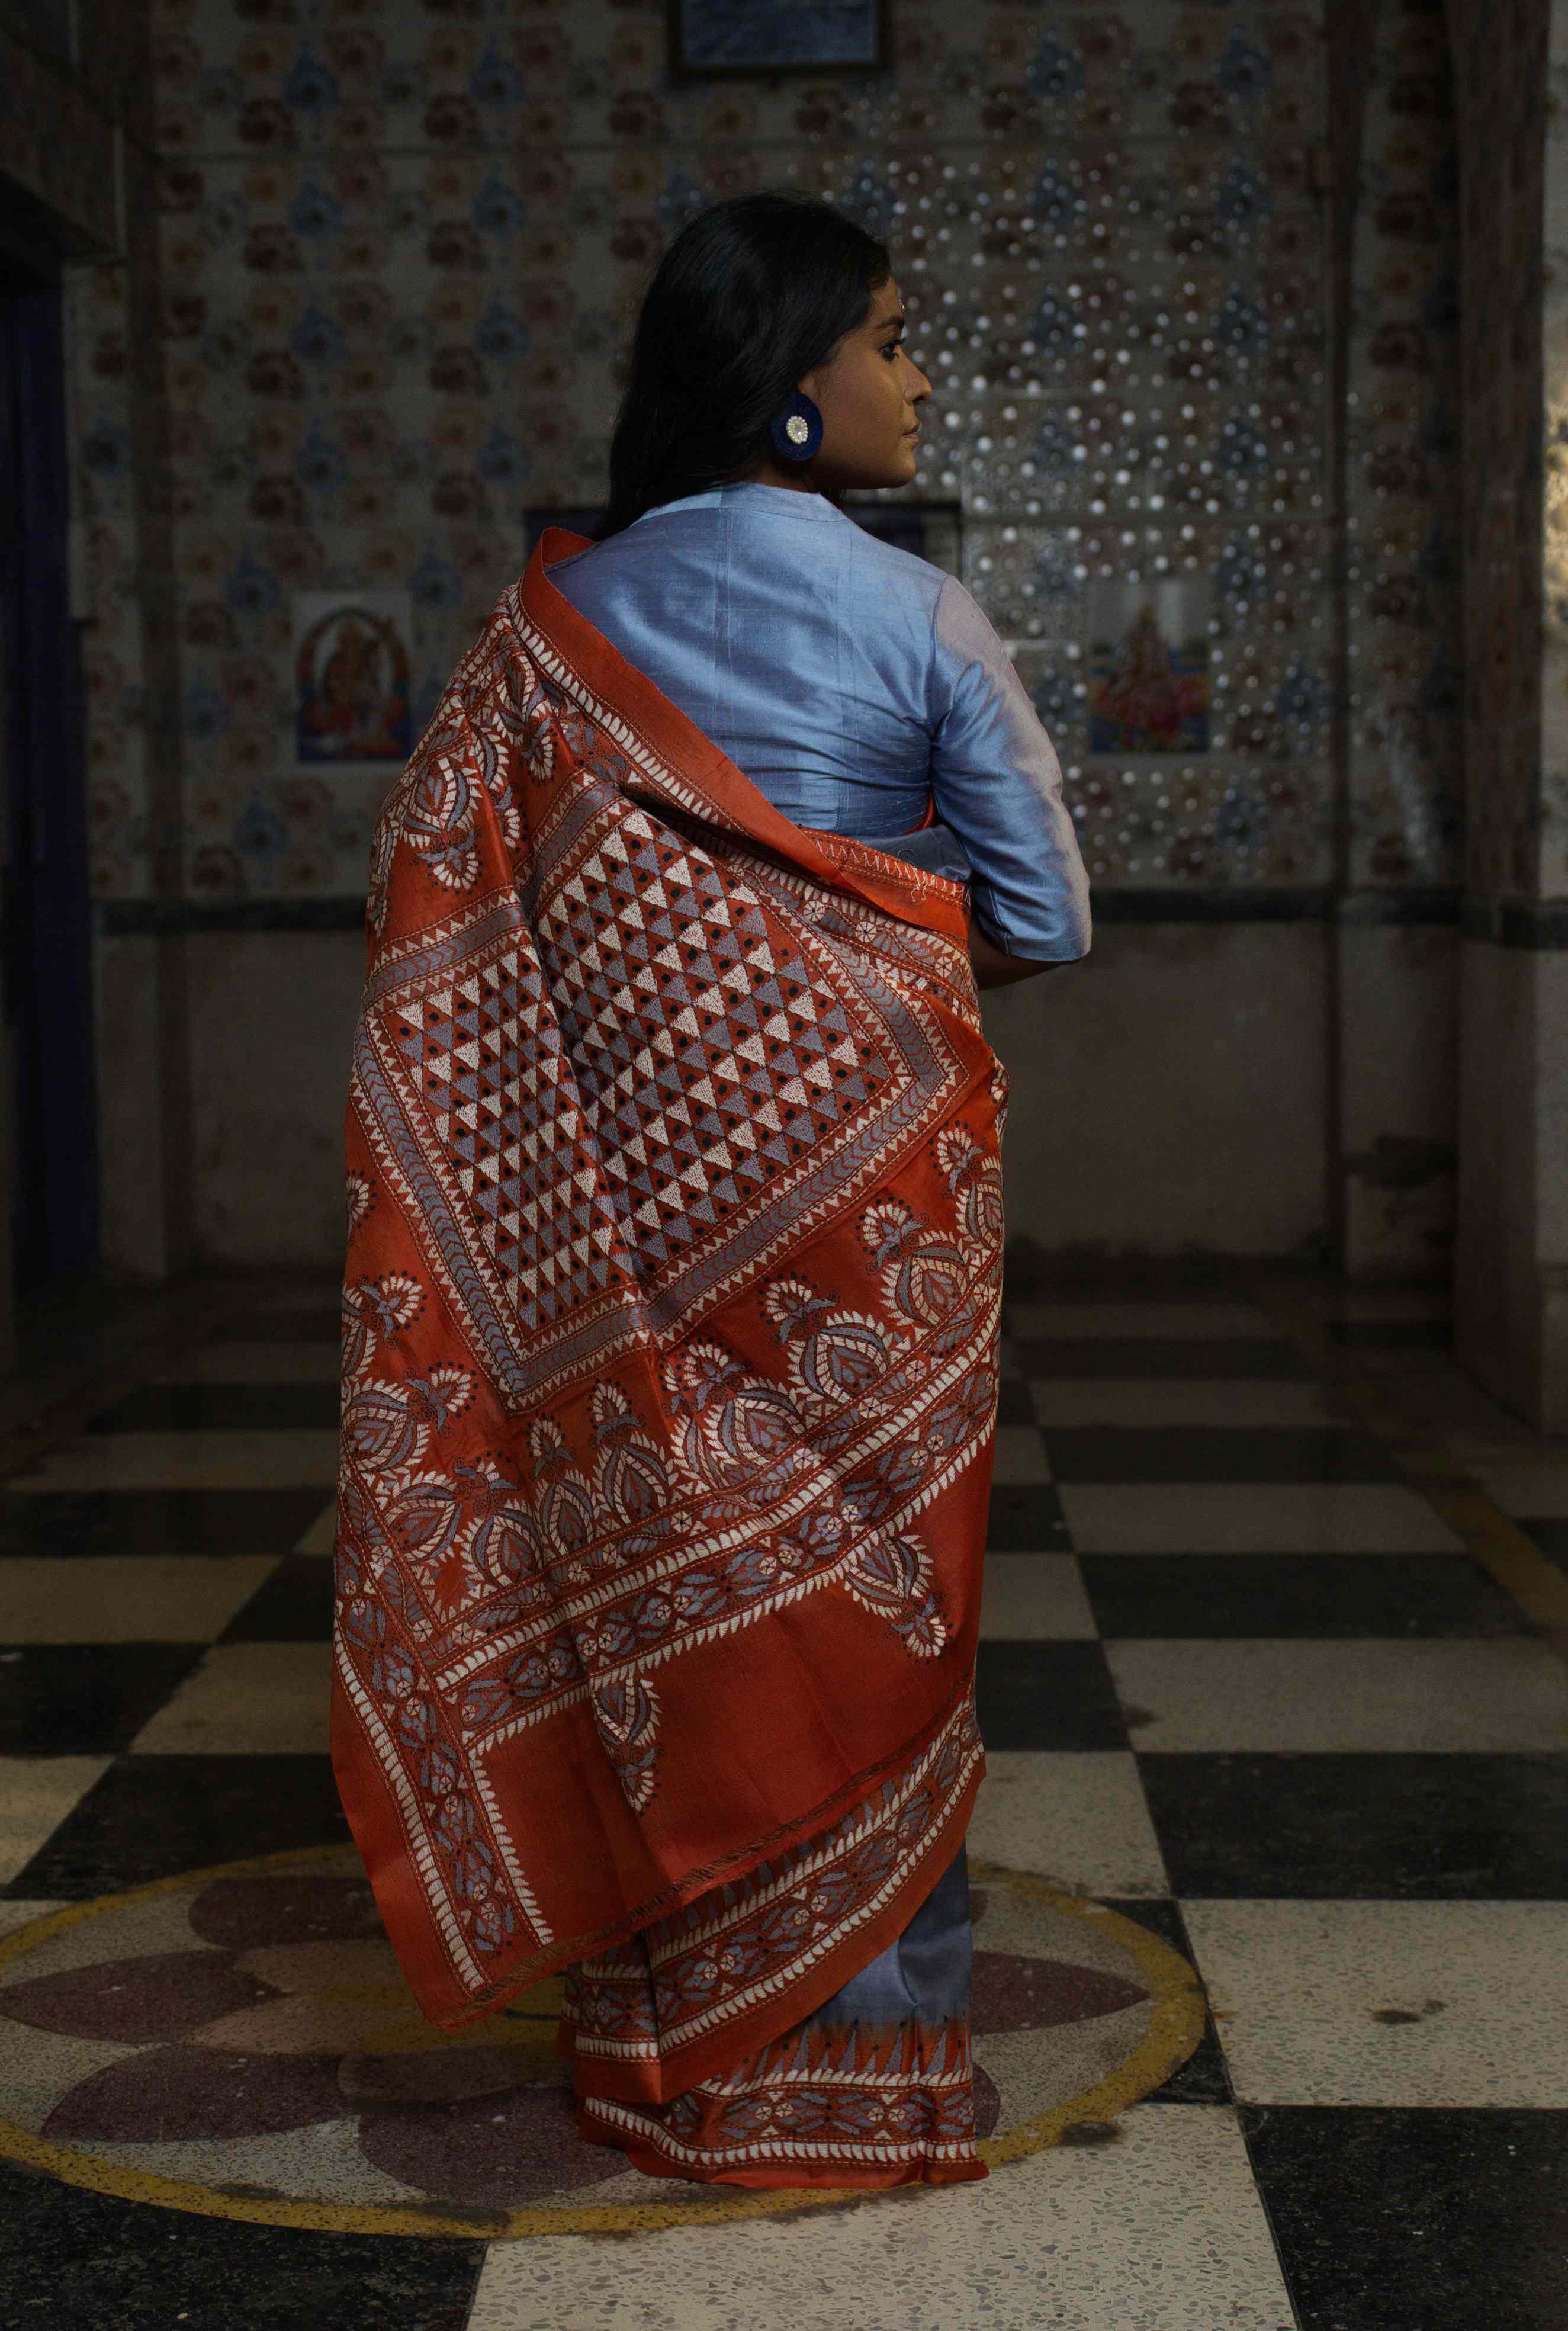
(669, 1386)
(642, 2153)
(380, 1832)
(673, 2074)
(874, 2088)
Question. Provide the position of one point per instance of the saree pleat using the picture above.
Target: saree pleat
(874, 2088)
(670, 1375)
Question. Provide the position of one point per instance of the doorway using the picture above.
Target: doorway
(46, 1080)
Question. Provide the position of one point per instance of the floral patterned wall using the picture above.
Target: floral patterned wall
(401, 248)
(94, 118)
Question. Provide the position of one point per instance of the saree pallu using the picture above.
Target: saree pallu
(669, 1400)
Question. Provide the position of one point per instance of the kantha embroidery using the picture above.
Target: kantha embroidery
(669, 1356)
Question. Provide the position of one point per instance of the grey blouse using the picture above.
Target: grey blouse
(853, 684)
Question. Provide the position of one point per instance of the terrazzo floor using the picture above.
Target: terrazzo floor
(1272, 1672)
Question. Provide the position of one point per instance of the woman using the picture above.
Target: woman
(674, 1257)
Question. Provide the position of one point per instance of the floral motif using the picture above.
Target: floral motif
(632, 1480)
(735, 1430)
(626, 1712)
(921, 1275)
(743, 1443)
(358, 1197)
(836, 1356)
(890, 1575)
(438, 818)
(975, 1180)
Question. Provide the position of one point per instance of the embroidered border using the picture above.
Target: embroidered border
(605, 1097)
(687, 1976)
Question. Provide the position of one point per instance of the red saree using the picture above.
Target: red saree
(670, 1375)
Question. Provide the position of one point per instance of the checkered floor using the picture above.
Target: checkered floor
(1240, 1678)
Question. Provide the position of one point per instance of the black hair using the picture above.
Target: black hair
(752, 293)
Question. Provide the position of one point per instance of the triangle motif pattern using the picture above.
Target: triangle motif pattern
(484, 1048)
(705, 1063)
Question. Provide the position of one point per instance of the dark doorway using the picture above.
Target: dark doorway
(45, 911)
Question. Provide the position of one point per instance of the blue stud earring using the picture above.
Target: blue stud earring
(797, 430)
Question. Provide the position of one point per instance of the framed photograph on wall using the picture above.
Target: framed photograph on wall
(711, 40)
(351, 675)
(1148, 667)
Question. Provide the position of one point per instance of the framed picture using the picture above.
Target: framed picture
(351, 675)
(1148, 667)
(710, 40)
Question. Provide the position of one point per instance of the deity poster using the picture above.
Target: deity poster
(352, 659)
(708, 38)
(1148, 667)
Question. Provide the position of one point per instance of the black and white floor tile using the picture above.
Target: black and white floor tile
(1240, 1682)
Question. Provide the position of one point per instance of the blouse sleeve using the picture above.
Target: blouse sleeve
(996, 782)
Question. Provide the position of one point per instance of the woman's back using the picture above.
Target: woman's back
(854, 684)
(675, 1161)
(799, 642)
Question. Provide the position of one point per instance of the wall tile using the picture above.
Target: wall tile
(402, 248)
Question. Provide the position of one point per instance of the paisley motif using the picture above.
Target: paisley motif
(579, 733)
(382, 1428)
(515, 709)
(836, 1356)
(438, 822)
(974, 1180)
(384, 845)
(732, 1425)
(427, 1517)
(890, 1574)
(358, 1197)
(359, 1341)
(922, 1276)
(507, 1543)
(626, 1712)
(632, 1480)
(566, 1503)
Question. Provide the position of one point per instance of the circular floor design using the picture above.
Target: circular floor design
(240, 2042)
